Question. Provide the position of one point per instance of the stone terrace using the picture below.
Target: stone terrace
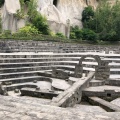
(28, 66)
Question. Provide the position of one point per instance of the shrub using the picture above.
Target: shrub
(79, 34)
(72, 35)
(40, 23)
(75, 33)
(60, 35)
(6, 33)
(27, 31)
(89, 35)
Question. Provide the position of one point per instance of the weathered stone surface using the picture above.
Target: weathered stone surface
(62, 74)
(56, 11)
(3, 90)
(9, 21)
(105, 104)
(15, 110)
(102, 71)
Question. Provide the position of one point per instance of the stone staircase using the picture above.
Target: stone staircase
(26, 64)
(56, 47)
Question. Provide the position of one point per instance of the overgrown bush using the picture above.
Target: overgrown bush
(60, 35)
(27, 31)
(6, 33)
(72, 35)
(89, 35)
(84, 34)
(40, 23)
(75, 33)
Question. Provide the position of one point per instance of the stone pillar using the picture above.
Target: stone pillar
(3, 90)
(78, 70)
(68, 28)
(102, 72)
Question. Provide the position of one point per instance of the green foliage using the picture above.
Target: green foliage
(0, 24)
(37, 19)
(1, 2)
(27, 31)
(40, 23)
(89, 35)
(60, 35)
(32, 9)
(85, 34)
(87, 14)
(106, 21)
(21, 13)
(6, 33)
(72, 35)
(75, 33)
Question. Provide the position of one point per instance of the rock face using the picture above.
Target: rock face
(58, 12)
(9, 21)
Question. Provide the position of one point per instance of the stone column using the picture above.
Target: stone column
(78, 70)
(102, 72)
(68, 28)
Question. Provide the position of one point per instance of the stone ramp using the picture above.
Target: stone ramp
(116, 102)
(89, 108)
(105, 104)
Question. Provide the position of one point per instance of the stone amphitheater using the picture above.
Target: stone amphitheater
(41, 80)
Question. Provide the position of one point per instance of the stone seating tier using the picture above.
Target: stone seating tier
(44, 46)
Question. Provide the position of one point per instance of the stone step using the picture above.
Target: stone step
(114, 80)
(29, 54)
(40, 59)
(35, 68)
(17, 60)
(49, 63)
(22, 79)
(18, 74)
(32, 71)
(45, 83)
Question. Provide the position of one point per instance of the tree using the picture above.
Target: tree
(87, 15)
(105, 22)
